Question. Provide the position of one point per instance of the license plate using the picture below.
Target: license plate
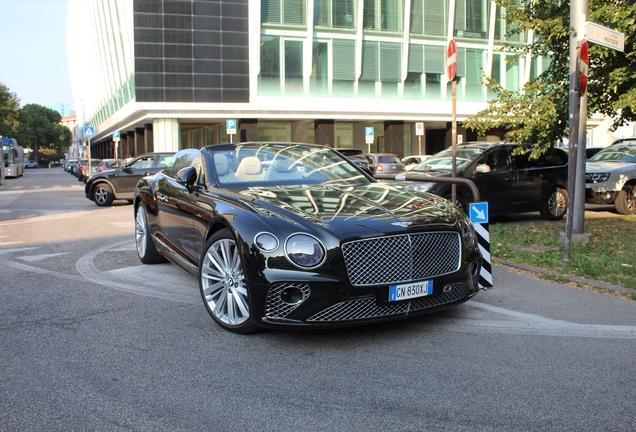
(411, 290)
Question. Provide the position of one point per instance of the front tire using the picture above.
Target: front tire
(555, 204)
(143, 239)
(103, 195)
(626, 200)
(223, 285)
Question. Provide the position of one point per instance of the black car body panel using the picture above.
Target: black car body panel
(372, 221)
(510, 183)
(123, 180)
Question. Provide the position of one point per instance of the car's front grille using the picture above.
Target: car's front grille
(276, 307)
(368, 307)
(401, 258)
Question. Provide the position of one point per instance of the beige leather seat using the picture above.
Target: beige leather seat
(282, 169)
(250, 169)
(223, 170)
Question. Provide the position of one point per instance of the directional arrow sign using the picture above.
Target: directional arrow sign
(478, 212)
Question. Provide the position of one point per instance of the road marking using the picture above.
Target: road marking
(180, 291)
(10, 251)
(33, 258)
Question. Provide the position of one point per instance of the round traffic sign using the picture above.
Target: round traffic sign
(584, 67)
(451, 60)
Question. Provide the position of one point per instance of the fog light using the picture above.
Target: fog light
(291, 295)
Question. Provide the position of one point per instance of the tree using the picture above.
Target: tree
(40, 126)
(9, 108)
(537, 116)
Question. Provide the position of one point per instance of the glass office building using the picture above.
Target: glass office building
(168, 74)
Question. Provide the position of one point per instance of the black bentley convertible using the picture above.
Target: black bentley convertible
(296, 235)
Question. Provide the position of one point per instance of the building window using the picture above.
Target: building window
(384, 15)
(284, 12)
(335, 13)
(281, 66)
(319, 84)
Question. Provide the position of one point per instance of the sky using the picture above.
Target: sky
(33, 51)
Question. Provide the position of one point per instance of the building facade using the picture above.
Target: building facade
(168, 74)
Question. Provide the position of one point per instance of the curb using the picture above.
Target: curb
(577, 279)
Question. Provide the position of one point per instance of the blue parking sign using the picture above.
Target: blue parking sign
(230, 125)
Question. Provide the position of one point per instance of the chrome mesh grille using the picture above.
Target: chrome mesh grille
(275, 307)
(401, 258)
(365, 308)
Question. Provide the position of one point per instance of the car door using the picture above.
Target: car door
(176, 206)
(529, 187)
(497, 185)
(128, 176)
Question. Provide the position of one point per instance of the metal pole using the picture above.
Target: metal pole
(454, 141)
(574, 101)
(578, 219)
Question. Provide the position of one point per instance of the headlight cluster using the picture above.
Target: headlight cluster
(302, 250)
(468, 233)
(596, 177)
(420, 187)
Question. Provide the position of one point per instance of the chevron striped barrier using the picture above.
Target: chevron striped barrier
(478, 213)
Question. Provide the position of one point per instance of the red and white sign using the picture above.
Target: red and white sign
(419, 128)
(451, 60)
(584, 67)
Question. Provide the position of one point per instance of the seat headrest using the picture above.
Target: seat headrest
(251, 165)
(282, 165)
(222, 164)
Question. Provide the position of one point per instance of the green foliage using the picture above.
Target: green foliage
(609, 257)
(9, 108)
(537, 116)
(38, 124)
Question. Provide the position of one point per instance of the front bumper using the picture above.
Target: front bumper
(330, 305)
(600, 196)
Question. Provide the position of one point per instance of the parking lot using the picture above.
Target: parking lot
(93, 339)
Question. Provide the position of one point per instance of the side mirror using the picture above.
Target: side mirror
(482, 169)
(187, 176)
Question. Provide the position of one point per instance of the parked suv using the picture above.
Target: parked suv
(107, 186)
(509, 183)
(610, 177)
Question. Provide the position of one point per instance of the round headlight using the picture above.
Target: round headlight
(304, 251)
(468, 233)
(266, 241)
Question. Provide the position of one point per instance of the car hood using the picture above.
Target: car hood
(608, 166)
(355, 210)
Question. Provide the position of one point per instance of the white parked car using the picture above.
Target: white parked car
(30, 164)
(610, 177)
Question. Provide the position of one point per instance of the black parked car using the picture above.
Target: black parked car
(510, 183)
(306, 240)
(357, 157)
(107, 186)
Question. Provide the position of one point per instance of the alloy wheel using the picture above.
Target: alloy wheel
(141, 231)
(223, 283)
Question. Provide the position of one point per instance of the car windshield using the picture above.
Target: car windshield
(616, 153)
(443, 161)
(282, 164)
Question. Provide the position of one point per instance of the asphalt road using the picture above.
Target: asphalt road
(94, 340)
